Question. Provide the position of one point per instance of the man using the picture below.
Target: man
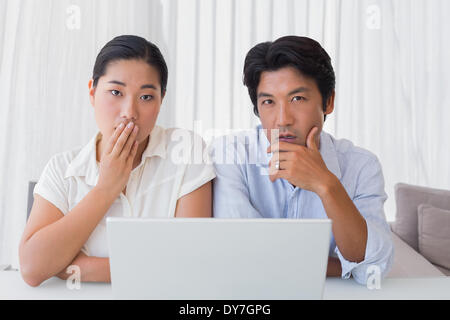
(309, 174)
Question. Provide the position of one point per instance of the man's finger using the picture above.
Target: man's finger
(283, 156)
(273, 167)
(283, 146)
(275, 174)
(311, 140)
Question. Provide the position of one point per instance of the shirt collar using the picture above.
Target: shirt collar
(85, 162)
(156, 145)
(327, 150)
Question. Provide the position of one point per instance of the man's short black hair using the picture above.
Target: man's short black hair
(304, 54)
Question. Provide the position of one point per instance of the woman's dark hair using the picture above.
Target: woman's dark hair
(128, 47)
(304, 54)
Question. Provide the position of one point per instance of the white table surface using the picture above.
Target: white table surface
(13, 287)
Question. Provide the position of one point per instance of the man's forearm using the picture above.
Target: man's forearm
(349, 226)
(334, 268)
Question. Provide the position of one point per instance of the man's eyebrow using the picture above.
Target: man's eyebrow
(263, 94)
(298, 90)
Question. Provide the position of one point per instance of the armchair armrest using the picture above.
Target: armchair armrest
(408, 263)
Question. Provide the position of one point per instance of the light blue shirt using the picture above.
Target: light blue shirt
(242, 189)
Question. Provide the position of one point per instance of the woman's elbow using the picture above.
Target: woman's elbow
(28, 269)
(30, 276)
(31, 281)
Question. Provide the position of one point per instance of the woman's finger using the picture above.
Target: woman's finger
(132, 154)
(113, 139)
(121, 141)
(129, 144)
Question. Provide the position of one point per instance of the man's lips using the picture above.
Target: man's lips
(287, 137)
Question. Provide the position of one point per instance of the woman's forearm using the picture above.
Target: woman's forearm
(48, 251)
(92, 269)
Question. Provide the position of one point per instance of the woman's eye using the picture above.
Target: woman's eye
(146, 97)
(298, 98)
(115, 92)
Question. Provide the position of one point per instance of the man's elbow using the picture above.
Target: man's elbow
(356, 256)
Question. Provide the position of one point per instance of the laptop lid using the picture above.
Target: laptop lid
(210, 258)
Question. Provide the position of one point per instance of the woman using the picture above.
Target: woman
(125, 170)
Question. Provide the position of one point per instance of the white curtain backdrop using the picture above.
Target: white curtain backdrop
(390, 58)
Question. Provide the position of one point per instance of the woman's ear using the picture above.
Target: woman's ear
(91, 91)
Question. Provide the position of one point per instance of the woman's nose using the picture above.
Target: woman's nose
(129, 111)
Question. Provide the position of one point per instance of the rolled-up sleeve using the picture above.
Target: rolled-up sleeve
(369, 200)
(231, 197)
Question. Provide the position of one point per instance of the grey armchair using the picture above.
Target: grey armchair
(31, 185)
(420, 236)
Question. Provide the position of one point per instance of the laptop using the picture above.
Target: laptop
(218, 259)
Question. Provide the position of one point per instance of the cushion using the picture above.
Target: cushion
(434, 234)
(407, 199)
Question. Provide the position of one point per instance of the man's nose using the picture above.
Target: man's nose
(285, 117)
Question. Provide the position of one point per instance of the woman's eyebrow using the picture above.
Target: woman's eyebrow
(148, 86)
(117, 82)
(145, 86)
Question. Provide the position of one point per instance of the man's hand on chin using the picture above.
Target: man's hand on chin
(301, 166)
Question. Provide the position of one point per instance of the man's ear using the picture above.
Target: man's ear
(91, 91)
(330, 103)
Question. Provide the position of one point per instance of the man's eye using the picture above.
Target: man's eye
(268, 101)
(147, 97)
(298, 98)
(115, 92)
